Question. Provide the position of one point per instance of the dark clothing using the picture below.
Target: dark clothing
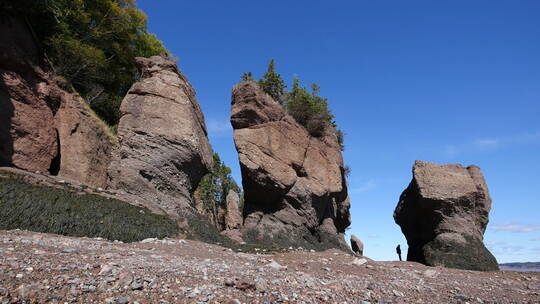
(398, 250)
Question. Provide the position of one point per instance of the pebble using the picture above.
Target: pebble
(359, 262)
(121, 300)
(430, 273)
(274, 265)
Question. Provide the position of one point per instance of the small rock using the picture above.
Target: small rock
(121, 300)
(245, 285)
(275, 265)
(430, 273)
(136, 285)
(359, 262)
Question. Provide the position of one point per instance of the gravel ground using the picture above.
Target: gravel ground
(45, 268)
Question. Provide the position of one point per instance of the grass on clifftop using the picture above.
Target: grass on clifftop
(52, 210)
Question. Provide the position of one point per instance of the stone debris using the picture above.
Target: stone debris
(185, 271)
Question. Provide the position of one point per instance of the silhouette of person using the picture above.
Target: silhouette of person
(398, 250)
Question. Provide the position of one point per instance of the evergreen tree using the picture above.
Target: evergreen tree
(247, 76)
(215, 186)
(272, 83)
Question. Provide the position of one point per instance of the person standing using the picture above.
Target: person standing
(398, 250)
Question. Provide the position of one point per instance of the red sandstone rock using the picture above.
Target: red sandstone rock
(443, 214)
(295, 190)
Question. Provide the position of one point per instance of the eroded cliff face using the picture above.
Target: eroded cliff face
(443, 214)
(294, 184)
(163, 147)
(44, 125)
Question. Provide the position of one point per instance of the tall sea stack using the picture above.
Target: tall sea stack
(294, 184)
(163, 145)
(444, 213)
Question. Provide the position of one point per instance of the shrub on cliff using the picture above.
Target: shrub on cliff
(308, 108)
(91, 43)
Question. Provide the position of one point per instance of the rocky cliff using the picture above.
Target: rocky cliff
(44, 125)
(294, 184)
(163, 145)
(444, 213)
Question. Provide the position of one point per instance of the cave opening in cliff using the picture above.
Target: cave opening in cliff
(54, 168)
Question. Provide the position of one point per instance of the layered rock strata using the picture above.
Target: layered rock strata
(294, 184)
(443, 213)
(163, 146)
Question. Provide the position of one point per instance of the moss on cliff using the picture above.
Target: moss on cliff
(53, 210)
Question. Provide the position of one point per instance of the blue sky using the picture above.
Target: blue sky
(443, 81)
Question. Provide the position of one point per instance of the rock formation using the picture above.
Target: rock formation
(233, 219)
(356, 245)
(44, 125)
(163, 145)
(294, 184)
(443, 214)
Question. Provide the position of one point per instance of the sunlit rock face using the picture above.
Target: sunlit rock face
(294, 184)
(444, 213)
(163, 146)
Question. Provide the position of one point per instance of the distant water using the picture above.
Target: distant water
(524, 267)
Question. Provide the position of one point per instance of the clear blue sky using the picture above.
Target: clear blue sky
(443, 81)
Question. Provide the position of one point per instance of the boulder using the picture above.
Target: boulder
(443, 213)
(294, 184)
(163, 147)
(233, 219)
(44, 125)
(356, 245)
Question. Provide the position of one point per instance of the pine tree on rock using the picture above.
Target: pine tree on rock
(247, 76)
(272, 83)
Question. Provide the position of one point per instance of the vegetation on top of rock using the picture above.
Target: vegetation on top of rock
(215, 186)
(307, 107)
(91, 43)
(272, 83)
(60, 211)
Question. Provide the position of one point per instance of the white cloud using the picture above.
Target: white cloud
(504, 248)
(536, 239)
(515, 227)
(365, 187)
(372, 236)
(490, 143)
(217, 127)
(451, 150)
